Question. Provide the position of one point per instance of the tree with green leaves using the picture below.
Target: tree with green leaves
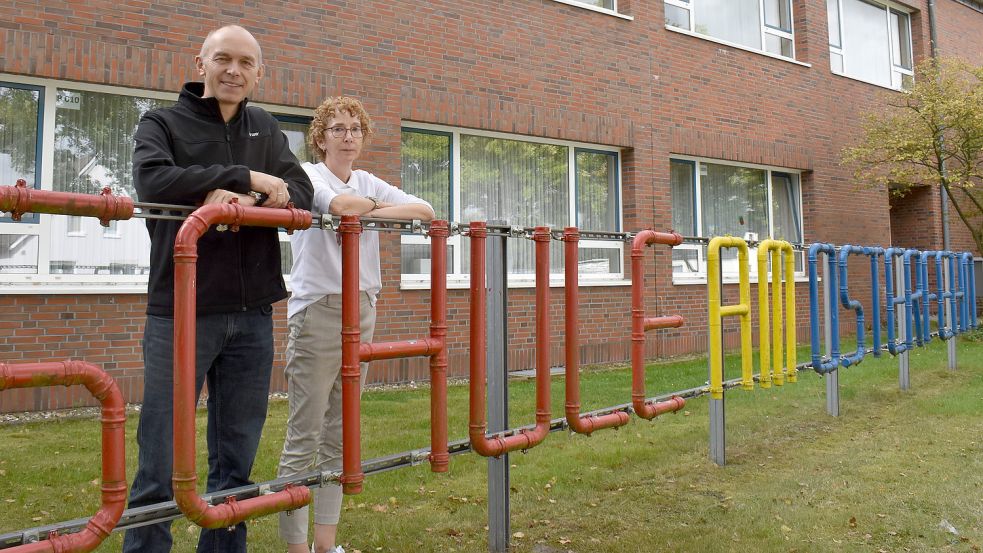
(930, 134)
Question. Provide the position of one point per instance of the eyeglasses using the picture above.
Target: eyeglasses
(340, 132)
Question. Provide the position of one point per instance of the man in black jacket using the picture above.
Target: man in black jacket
(211, 148)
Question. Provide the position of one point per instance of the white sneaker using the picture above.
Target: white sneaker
(335, 549)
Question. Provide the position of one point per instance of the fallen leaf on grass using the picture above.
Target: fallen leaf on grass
(853, 522)
(518, 535)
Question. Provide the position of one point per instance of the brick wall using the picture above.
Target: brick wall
(533, 67)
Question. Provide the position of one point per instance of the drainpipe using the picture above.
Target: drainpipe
(640, 324)
(934, 53)
(185, 477)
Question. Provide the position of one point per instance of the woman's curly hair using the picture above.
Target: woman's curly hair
(329, 109)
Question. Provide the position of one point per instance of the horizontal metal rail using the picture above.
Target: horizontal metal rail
(163, 512)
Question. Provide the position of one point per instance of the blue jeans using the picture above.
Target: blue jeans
(235, 356)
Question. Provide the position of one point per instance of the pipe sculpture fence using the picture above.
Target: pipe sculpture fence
(909, 310)
(103, 388)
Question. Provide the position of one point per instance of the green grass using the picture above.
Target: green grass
(881, 477)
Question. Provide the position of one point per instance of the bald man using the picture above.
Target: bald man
(211, 148)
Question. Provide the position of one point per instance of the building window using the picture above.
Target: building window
(93, 149)
(84, 135)
(606, 4)
(715, 199)
(295, 128)
(21, 115)
(493, 177)
(764, 25)
(870, 41)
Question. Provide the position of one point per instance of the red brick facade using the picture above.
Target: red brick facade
(526, 67)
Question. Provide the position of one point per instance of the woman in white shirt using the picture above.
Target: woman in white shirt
(313, 442)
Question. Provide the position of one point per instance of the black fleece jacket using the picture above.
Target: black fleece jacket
(182, 153)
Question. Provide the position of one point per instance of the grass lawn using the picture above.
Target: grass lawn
(897, 471)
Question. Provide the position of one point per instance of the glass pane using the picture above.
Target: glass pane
(785, 207)
(901, 39)
(833, 16)
(778, 45)
(524, 183)
(677, 17)
(683, 202)
(608, 4)
(415, 259)
(598, 260)
(18, 135)
(297, 138)
(866, 43)
(836, 62)
(737, 21)
(94, 140)
(521, 183)
(286, 257)
(597, 191)
(685, 261)
(426, 168)
(18, 254)
(778, 13)
(734, 201)
(94, 149)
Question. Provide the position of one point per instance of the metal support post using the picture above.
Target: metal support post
(832, 378)
(950, 313)
(904, 379)
(497, 362)
(718, 434)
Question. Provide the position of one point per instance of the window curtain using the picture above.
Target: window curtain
(426, 168)
(736, 21)
(785, 207)
(521, 183)
(597, 191)
(734, 200)
(683, 202)
(94, 149)
(866, 42)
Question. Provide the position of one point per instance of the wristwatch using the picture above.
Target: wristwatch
(375, 202)
(260, 197)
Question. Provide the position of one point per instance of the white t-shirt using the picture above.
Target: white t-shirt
(317, 253)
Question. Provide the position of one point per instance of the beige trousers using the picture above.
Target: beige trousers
(313, 373)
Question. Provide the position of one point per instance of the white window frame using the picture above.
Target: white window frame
(45, 281)
(764, 29)
(896, 68)
(456, 279)
(700, 276)
(587, 6)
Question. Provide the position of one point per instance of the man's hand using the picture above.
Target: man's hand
(274, 187)
(219, 196)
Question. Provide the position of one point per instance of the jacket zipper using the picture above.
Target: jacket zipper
(238, 239)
